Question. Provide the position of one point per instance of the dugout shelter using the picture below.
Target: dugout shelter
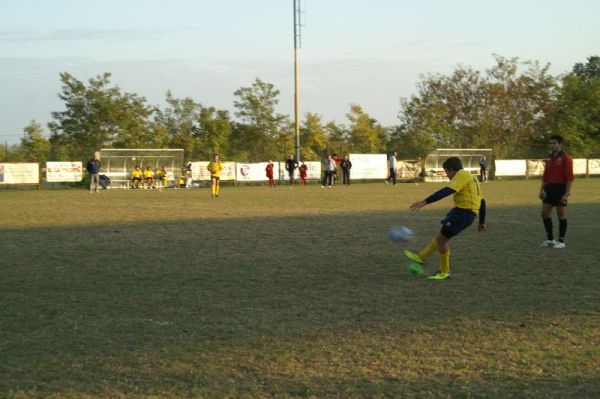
(117, 163)
(434, 172)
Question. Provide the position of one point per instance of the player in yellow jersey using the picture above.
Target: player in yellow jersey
(468, 201)
(136, 176)
(215, 167)
(162, 178)
(149, 177)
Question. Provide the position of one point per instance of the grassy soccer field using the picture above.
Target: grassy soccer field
(293, 293)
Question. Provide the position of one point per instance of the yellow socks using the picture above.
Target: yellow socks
(428, 250)
(445, 263)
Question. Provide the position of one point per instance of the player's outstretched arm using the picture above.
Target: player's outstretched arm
(417, 205)
(438, 195)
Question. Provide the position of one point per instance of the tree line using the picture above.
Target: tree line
(512, 108)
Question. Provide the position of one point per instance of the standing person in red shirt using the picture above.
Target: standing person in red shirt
(303, 172)
(269, 170)
(555, 191)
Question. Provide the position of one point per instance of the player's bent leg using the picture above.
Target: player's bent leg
(429, 249)
(444, 251)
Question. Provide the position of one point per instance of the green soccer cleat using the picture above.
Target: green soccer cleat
(413, 256)
(439, 276)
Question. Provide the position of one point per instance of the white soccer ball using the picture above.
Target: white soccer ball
(400, 234)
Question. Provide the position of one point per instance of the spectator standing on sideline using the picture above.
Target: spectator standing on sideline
(329, 167)
(269, 170)
(290, 165)
(556, 189)
(335, 160)
(303, 173)
(93, 167)
(483, 169)
(346, 165)
(392, 165)
(188, 174)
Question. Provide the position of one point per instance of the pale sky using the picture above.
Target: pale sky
(366, 52)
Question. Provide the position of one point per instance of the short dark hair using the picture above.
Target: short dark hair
(452, 163)
(557, 137)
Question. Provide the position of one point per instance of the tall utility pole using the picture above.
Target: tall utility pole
(297, 45)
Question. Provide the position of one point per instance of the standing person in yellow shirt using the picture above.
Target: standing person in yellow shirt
(468, 201)
(215, 167)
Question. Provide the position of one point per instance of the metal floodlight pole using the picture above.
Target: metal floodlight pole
(297, 44)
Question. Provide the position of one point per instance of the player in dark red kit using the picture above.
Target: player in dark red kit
(303, 172)
(269, 170)
(555, 191)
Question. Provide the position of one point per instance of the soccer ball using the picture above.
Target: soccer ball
(400, 234)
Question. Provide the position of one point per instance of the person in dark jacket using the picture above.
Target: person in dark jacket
(93, 168)
(291, 165)
(346, 165)
(482, 170)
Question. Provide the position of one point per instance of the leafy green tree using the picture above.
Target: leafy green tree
(589, 70)
(507, 110)
(35, 147)
(261, 127)
(313, 138)
(11, 153)
(161, 137)
(410, 144)
(213, 132)
(180, 119)
(578, 119)
(97, 115)
(337, 139)
(366, 134)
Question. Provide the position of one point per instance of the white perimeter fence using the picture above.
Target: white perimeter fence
(364, 167)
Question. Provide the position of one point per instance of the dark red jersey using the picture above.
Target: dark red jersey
(269, 170)
(558, 169)
(303, 169)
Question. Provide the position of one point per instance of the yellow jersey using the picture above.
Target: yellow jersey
(148, 173)
(136, 173)
(468, 193)
(215, 168)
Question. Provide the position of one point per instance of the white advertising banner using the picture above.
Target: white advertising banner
(19, 173)
(535, 167)
(579, 166)
(64, 172)
(511, 167)
(594, 166)
(200, 171)
(247, 172)
(313, 171)
(369, 166)
(408, 169)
